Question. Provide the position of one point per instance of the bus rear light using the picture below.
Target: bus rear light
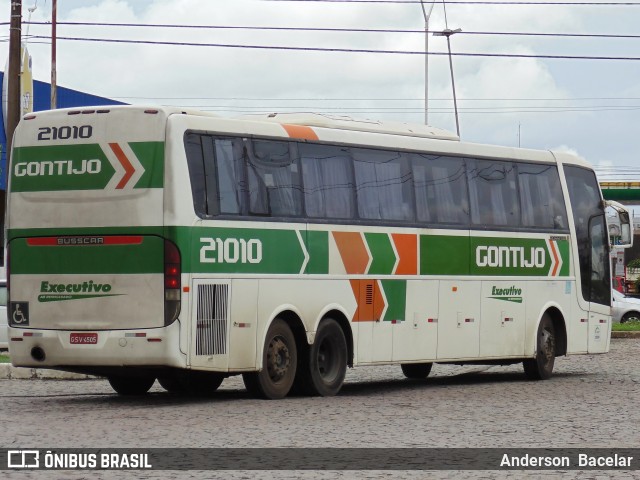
(172, 282)
(154, 340)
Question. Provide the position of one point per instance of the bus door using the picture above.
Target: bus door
(593, 273)
(599, 286)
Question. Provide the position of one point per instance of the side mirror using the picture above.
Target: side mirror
(624, 236)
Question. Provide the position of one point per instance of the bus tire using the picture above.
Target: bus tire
(416, 371)
(171, 384)
(279, 361)
(192, 382)
(131, 385)
(541, 367)
(326, 366)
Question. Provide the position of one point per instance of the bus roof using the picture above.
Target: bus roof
(340, 122)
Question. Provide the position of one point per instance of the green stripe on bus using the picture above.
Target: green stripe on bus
(85, 167)
(146, 258)
(318, 248)
(395, 292)
(151, 157)
(444, 255)
(60, 167)
(246, 250)
(381, 250)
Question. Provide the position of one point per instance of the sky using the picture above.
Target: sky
(589, 107)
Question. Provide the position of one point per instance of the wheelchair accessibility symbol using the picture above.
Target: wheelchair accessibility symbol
(19, 314)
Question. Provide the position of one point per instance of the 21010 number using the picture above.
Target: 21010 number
(230, 250)
(65, 133)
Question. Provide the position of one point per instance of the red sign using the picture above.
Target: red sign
(83, 338)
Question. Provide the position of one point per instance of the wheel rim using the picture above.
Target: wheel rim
(278, 359)
(547, 346)
(327, 361)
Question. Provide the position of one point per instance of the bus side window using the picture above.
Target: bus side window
(230, 187)
(493, 192)
(541, 196)
(195, 162)
(440, 189)
(274, 179)
(384, 185)
(328, 181)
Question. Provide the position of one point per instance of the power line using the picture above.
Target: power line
(359, 99)
(338, 50)
(466, 2)
(331, 30)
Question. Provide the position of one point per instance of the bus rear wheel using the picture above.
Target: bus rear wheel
(322, 372)
(279, 360)
(192, 382)
(131, 385)
(416, 371)
(541, 367)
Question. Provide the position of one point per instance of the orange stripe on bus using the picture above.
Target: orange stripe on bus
(299, 131)
(407, 247)
(370, 300)
(552, 244)
(352, 251)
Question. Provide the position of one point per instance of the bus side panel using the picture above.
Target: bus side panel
(416, 338)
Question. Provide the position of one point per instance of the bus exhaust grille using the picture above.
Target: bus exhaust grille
(211, 320)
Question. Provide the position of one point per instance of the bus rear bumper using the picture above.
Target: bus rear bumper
(109, 348)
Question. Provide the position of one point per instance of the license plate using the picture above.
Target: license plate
(84, 338)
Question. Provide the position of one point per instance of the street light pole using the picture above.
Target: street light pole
(54, 86)
(447, 33)
(427, 16)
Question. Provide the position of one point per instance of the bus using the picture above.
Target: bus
(150, 243)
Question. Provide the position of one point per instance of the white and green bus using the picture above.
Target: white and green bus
(153, 243)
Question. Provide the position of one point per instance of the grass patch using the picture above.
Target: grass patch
(626, 327)
(4, 358)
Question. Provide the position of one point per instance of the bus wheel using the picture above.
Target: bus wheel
(131, 385)
(202, 383)
(327, 363)
(416, 371)
(192, 382)
(541, 367)
(171, 384)
(279, 360)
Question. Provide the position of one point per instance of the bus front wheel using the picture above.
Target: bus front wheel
(131, 385)
(279, 360)
(541, 367)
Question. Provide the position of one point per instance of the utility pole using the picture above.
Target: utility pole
(54, 85)
(447, 33)
(14, 107)
(427, 16)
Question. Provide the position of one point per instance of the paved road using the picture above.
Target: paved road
(591, 401)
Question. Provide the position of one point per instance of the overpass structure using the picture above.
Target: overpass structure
(625, 192)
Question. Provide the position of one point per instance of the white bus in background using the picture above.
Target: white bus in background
(153, 243)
